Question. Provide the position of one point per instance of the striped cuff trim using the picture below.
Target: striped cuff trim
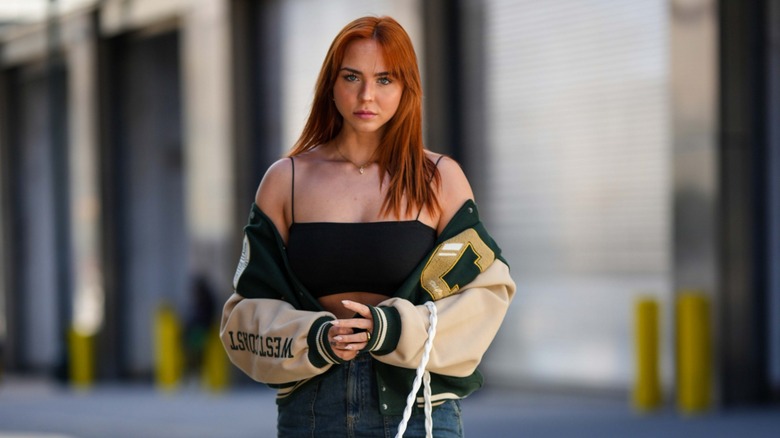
(320, 351)
(387, 330)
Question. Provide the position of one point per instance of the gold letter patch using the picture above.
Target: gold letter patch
(456, 262)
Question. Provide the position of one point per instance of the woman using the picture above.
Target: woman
(348, 239)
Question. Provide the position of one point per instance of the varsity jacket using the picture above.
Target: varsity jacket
(275, 331)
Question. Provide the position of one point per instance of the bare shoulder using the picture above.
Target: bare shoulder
(276, 178)
(273, 193)
(454, 189)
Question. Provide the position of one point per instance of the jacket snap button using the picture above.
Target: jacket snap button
(384, 406)
(471, 210)
(384, 389)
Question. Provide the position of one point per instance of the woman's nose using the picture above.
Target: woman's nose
(367, 91)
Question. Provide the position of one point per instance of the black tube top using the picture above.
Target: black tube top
(332, 257)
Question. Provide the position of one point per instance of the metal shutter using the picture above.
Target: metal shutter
(579, 182)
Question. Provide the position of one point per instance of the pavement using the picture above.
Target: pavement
(37, 409)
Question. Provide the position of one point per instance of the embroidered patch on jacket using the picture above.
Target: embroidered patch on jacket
(456, 262)
(243, 262)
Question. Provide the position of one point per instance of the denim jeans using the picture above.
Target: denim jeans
(345, 404)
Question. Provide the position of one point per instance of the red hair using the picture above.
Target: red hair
(400, 153)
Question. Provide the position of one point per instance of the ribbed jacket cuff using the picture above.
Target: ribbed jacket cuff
(320, 351)
(387, 330)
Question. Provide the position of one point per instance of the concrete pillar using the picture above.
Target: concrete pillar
(88, 297)
(694, 97)
(208, 139)
(85, 204)
(744, 199)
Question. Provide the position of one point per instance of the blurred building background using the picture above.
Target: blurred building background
(617, 149)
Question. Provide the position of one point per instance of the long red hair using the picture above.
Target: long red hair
(400, 153)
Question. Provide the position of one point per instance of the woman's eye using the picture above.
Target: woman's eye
(350, 77)
(384, 81)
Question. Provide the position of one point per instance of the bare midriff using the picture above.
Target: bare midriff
(332, 303)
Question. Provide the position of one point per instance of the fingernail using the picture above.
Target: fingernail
(334, 322)
(337, 338)
(348, 347)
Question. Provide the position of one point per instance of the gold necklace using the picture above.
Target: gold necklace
(360, 167)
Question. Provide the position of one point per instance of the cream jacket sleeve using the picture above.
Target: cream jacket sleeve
(467, 322)
(274, 343)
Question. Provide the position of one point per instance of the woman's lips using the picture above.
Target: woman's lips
(364, 114)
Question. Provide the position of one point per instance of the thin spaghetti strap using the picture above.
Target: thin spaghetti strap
(429, 183)
(436, 165)
(292, 191)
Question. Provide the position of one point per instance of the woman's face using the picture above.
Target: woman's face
(365, 93)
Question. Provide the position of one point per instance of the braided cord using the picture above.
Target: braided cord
(422, 376)
(428, 407)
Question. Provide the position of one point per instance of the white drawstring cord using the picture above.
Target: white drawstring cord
(422, 376)
(428, 407)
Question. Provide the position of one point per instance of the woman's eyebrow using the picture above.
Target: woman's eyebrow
(358, 72)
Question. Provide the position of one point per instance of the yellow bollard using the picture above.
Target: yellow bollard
(216, 366)
(694, 353)
(81, 359)
(647, 384)
(169, 357)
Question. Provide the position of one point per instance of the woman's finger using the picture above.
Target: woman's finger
(358, 308)
(339, 329)
(356, 338)
(354, 324)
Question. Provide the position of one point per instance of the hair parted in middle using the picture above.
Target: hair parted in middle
(400, 153)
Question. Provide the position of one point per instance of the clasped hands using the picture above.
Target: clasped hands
(349, 336)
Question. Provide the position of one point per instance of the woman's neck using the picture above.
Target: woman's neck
(356, 147)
